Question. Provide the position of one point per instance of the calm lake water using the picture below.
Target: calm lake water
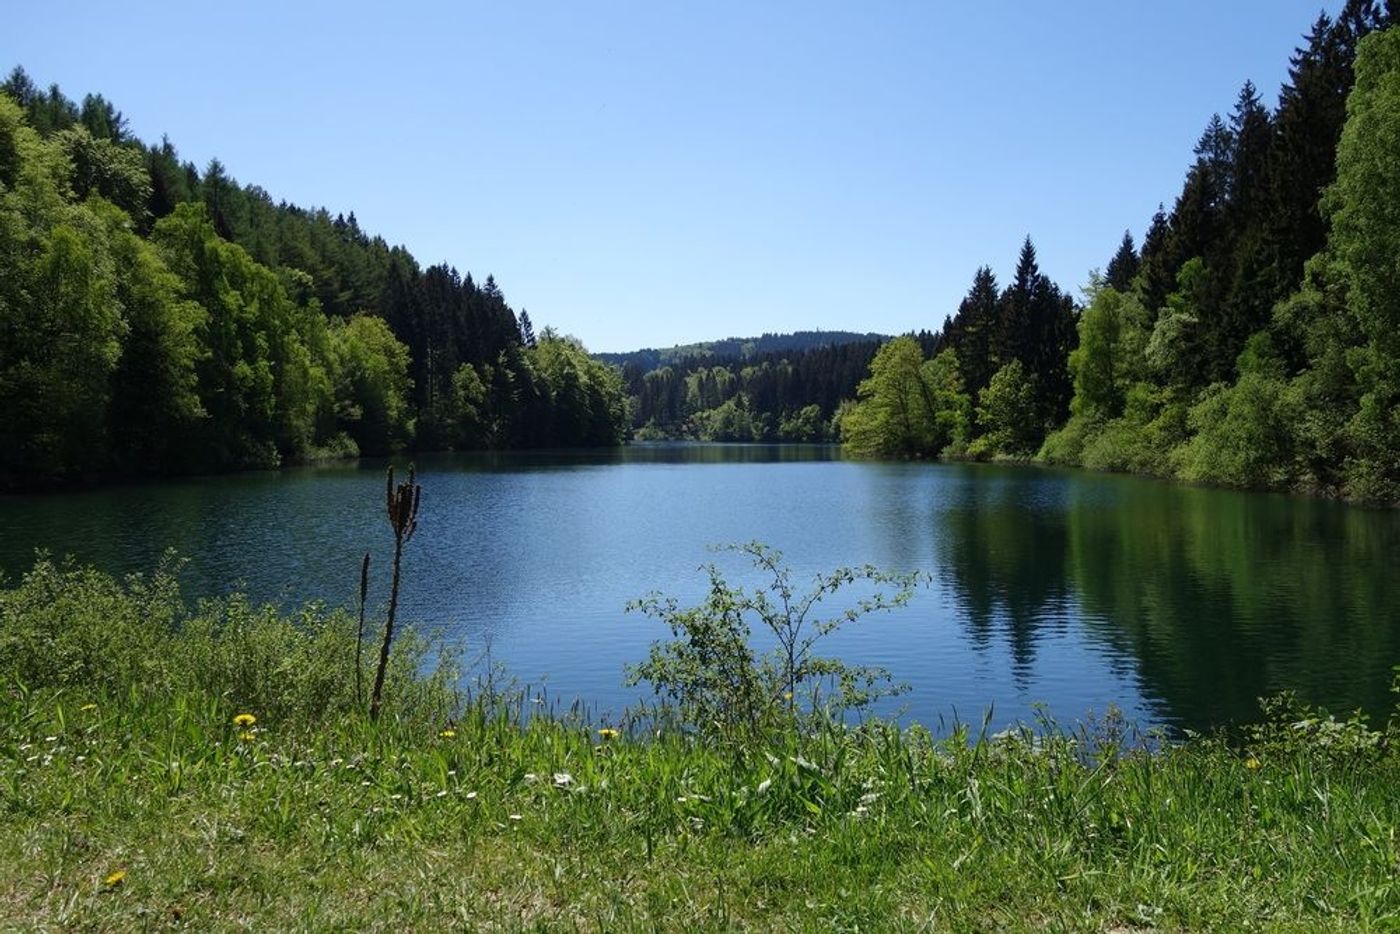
(1179, 605)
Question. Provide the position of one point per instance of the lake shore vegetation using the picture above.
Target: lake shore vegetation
(1249, 343)
(161, 320)
(169, 764)
(1246, 343)
(169, 320)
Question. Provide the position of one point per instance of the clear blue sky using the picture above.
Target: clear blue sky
(658, 172)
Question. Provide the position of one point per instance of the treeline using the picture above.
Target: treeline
(780, 396)
(994, 377)
(741, 348)
(157, 319)
(1253, 341)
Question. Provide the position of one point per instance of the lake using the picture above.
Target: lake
(1179, 605)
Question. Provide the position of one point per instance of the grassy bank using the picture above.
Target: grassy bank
(132, 794)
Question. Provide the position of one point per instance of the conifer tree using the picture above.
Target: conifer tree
(973, 331)
(1124, 265)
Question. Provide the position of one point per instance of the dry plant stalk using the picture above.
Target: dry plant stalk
(360, 633)
(401, 506)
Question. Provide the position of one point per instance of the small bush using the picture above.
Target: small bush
(715, 681)
(1065, 447)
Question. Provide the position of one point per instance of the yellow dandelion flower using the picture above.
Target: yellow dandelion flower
(608, 732)
(115, 879)
(244, 720)
(448, 733)
(86, 707)
(247, 737)
(1251, 763)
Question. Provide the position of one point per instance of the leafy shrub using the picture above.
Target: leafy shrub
(1066, 446)
(1291, 728)
(1153, 423)
(716, 682)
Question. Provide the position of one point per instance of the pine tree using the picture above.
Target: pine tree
(20, 88)
(1036, 328)
(1156, 271)
(1013, 338)
(102, 119)
(1241, 259)
(971, 332)
(1124, 265)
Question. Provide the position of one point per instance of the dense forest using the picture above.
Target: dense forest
(155, 318)
(742, 348)
(787, 394)
(158, 319)
(1253, 340)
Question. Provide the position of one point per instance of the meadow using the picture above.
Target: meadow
(167, 764)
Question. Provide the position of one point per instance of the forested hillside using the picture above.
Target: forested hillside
(741, 348)
(787, 395)
(1253, 341)
(155, 319)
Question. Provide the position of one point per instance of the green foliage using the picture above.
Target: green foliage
(1154, 423)
(197, 356)
(255, 379)
(683, 393)
(1173, 351)
(155, 403)
(64, 327)
(1007, 415)
(1123, 268)
(81, 632)
(372, 384)
(1262, 370)
(1241, 434)
(890, 417)
(731, 420)
(105, 168)
(469, 405)
(1065, 445)
(717, 682)
(241, 333)
(1032, 321)
(584, 395)
(805, 424)
(951, 405)
(1311, 402)
(1364, 206)
(1110, 355)
(908, 407)
(1291, 728)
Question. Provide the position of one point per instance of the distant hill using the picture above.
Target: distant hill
(737, 348)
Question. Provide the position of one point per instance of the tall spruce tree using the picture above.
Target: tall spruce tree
(1156, 267)
(973, 331)
(1124, 265)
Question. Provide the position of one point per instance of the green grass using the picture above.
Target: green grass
(322, 820)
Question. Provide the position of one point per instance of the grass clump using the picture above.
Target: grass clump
(207, 766)
(67, 628)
